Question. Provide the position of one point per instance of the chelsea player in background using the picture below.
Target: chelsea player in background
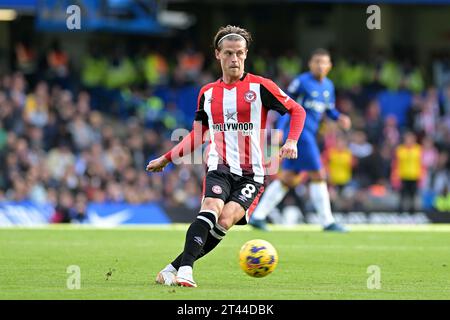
(315, 92)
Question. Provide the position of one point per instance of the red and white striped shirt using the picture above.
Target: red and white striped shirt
(235, 115)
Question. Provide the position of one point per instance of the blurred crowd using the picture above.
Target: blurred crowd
(70, 136)
(54, 148)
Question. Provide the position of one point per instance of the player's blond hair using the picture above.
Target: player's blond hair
(235, 33)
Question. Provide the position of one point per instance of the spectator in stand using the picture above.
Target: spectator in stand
(412, 77)
(437, 178)
(37, 192)
(64, 209)
(79, 214)
(58, 66)
(409, 168)
(391, 74)
(189, 63)
(26, 59)
(37, 106)
(428, 116)
(17, 90)
(81, 132)
(121, 71)
(430, 155)
(442, 201)
(11, 116)
(390, 133)
(373, 123)
(361, 150)
(94, 69)
(120, 74)
(339, 161)
(155, 68)
(262, 65)
(59, 159)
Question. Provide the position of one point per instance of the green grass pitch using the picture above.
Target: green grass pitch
(414, 263)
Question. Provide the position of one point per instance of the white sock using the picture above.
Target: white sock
(185, 272)
(170, 268)
(320, 199)
(271, 197)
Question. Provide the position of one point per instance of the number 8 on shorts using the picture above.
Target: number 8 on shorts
(249, 190)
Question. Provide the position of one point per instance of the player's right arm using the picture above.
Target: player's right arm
(189, 143)
(186, 146)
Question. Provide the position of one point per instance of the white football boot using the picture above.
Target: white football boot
(184, 277)
(167, 276)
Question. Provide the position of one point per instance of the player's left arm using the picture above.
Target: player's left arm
(342, 119)
(274, 98)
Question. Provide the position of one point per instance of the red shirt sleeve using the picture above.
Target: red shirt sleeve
(189, 143)
(197, 135)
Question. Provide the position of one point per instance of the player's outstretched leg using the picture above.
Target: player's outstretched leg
(196, 237)
(320, 199)
(215, 236)
(195, 240)
(271, 197)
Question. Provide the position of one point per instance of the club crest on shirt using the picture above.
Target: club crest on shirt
(250, 96)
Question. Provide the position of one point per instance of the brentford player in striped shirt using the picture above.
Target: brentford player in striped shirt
(233, 110)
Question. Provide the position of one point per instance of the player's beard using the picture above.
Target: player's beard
(235, 72)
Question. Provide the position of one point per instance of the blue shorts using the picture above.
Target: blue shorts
(308, 155)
